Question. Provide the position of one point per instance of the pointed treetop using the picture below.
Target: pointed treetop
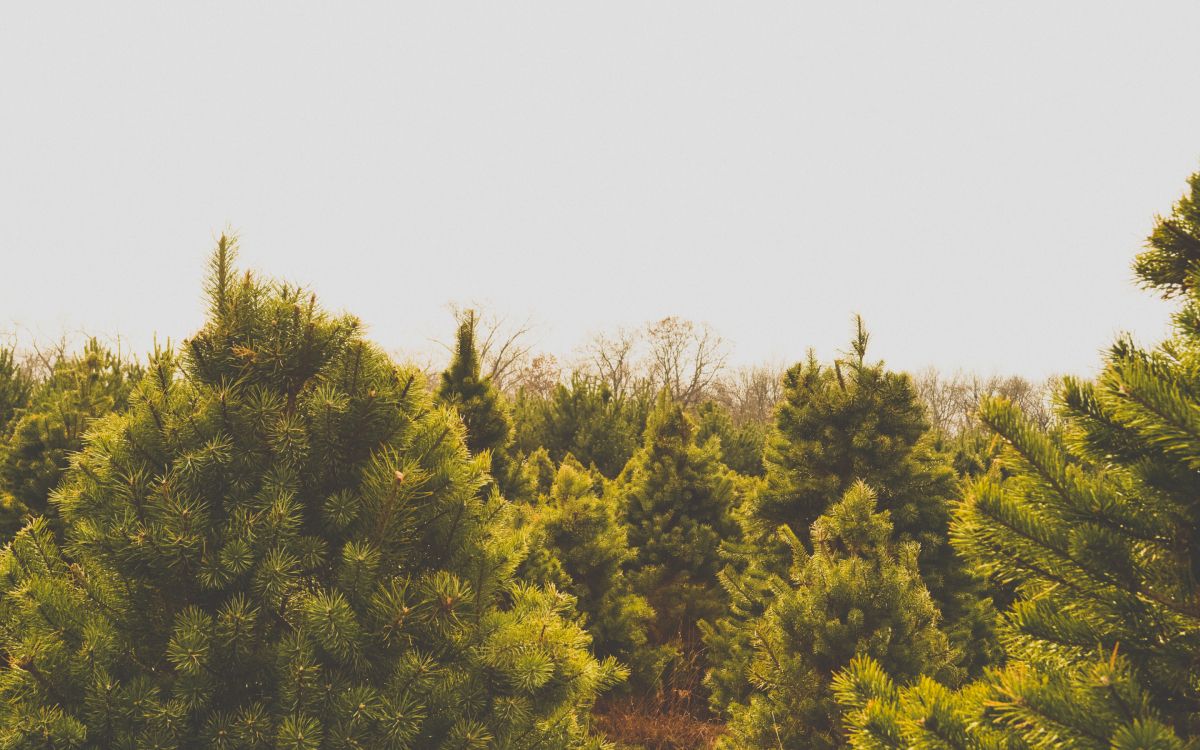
(220, 274)
(466, 354)
(852, 526)
(667, 422)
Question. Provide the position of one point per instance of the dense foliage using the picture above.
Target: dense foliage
(1095, 526)
(585, 419)
(282, 543)
(858, 593)
(579, 545)
(275, 536)
(677, 498)
(49, 423)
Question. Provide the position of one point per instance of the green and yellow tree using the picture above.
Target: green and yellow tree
(859, 593)
(282, 544)
(579, 545)
(1096, 528)
(50, 425)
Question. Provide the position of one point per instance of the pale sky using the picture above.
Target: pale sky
(974, 181)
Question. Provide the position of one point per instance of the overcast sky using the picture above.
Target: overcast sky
(974, 182)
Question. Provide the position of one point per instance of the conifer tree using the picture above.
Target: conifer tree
(678, 499)
(835, 426)
(858, 592)
(1096, 528)
(80, 388)
(481, 406)
(16, 387)
(858, 421)
(584, 419)
(848, 422)
(282, 543)
(579, 545)
(741, 445)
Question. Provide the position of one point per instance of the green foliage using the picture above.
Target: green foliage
(1095, 527)
(585, 420)
(835, 426)
(741, 445)
(579, 545)
(677, 498)
(282, 543)
(481, 406)
(1172, 257)
(80, 388)
(1087, 703)
(16, 388)
(858, 593)
(750, 585)
(848, 422)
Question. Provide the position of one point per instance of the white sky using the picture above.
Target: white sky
(974, 182)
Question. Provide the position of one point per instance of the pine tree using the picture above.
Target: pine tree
(584, 419)
(481, 406)
(835, 426)
(579, 545)
(16, 388)
(282, 543)
(750, 585)
(80, 388)
(848, 422)
(1096, 528)
(858, 593)
(677, 498)
(741, 445)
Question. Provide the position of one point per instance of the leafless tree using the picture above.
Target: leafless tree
(612, 358)
(685, 358)
(539, 377)
(43, 356)
(952, 401)
(751, 393)
(941, 399)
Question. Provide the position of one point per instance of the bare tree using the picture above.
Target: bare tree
(952, 402)
(685, 358)
(1034, 399)
(539, 377)
(751, 393)
(612, 358)
(43, 356)
(941, 399)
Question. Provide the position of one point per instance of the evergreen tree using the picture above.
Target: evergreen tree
(750, 584)
(584, 419)
(848, 422)
(741, 445)
(16, 387)
(1096, 527)
(282, 543)
(539, 472)
(858, 593)
(481, 406)
(677, 498)
(579, 545)
(835, 426)
(80, 388)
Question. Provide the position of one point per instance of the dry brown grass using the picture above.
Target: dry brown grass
(675, 716)
(634, 721)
